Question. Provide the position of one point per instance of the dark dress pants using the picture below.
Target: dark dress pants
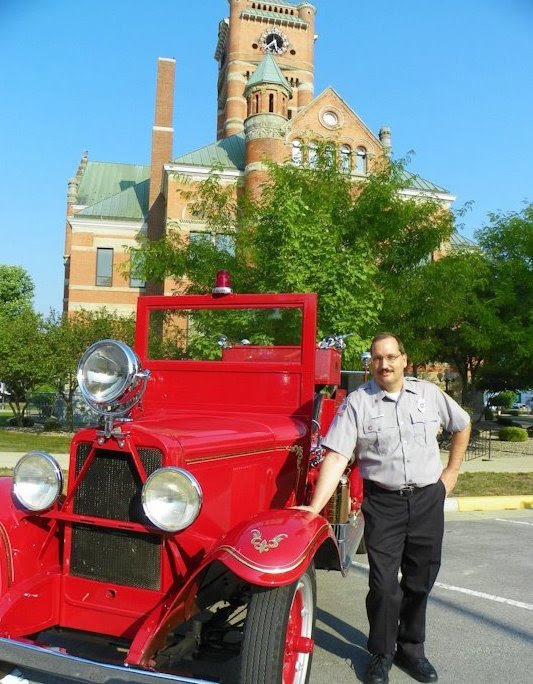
(401, 533)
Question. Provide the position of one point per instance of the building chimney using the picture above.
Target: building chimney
(162, 139)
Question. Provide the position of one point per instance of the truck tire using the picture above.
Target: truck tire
(278, 642)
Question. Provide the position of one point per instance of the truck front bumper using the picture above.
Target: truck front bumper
(35, 658)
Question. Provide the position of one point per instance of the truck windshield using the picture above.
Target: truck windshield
(242, 334)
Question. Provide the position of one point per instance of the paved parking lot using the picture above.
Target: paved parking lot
(480, 615)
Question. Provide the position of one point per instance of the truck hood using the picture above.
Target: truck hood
(202, 434)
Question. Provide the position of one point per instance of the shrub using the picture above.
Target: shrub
(512, 434)
(489, 413)
(51, 425)
(26, 422)
(508, 422)
(504, 399)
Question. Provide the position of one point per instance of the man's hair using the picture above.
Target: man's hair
(383, 336)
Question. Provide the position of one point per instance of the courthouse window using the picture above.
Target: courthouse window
(104, 267)
(346, 158)
(361, 160)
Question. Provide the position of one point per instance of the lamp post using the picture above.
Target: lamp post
(365, 360)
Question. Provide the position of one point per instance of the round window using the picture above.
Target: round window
(329, 118)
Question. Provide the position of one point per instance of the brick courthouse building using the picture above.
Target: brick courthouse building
(266, 110)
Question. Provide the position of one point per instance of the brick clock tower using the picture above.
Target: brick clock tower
(254, 29)
(266, 110)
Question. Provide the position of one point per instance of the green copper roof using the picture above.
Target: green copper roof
(114, 190)
(460, 242)
(227, 153)
(268, 72)
(415, 182)
(130, 204)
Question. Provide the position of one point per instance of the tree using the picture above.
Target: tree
(310, 230)
(473, 308)
(67, 337)
(507, 241)
(22, 357)
(16, 290)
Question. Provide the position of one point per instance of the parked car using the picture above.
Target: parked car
(173, 553)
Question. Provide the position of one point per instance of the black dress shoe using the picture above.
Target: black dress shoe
(419, 668)
(378, 669)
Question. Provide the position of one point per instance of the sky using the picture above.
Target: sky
(453, 80)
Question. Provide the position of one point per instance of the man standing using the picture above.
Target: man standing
(392, 423)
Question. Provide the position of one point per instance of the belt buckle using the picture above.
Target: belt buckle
(407, 490)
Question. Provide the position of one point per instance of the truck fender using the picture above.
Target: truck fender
(29, 568)
(274, 548)
(26, 546)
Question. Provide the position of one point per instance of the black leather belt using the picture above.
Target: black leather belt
(408, 490)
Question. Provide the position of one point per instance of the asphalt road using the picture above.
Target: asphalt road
(480, 614)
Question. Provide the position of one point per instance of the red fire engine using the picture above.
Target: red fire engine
(173, 553)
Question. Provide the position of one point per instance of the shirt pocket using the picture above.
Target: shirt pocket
(381, 433)
(425, 426)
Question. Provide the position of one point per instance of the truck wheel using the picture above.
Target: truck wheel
(278, 634)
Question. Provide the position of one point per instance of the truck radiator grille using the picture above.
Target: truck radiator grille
(112, 489)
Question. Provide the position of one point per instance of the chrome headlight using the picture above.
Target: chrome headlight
(110, 377)
(37, 481)
(171, 498)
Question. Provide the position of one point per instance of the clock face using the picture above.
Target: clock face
(274, 41)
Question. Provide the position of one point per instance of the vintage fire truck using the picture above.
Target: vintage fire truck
(174, 553)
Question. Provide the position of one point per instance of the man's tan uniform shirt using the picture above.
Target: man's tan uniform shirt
(395, 440)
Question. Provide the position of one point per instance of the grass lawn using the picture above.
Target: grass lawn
(11, 440)
(493, 484)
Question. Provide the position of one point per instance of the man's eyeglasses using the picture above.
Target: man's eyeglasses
(390, 358)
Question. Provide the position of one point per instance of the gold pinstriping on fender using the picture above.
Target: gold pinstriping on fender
(267, 570)
(7, 548)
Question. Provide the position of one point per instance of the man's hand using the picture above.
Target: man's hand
(449, 478)
(305, 508)
(457, 451)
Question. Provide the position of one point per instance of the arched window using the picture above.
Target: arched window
(329, 155)
(297, 156)
(361, 160)
(271, 102)
(312, 154)
(346, 158)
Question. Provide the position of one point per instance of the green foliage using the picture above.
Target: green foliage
(472, 308)
(52, 425)
(505, 420)
(67, 337)
(22, 357)
(504, 399)
(508, 245)
(512, 434)
(16, 290)
(311, 230)
(25, 421)
(488, 413)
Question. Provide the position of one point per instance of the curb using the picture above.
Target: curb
(488, 503)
